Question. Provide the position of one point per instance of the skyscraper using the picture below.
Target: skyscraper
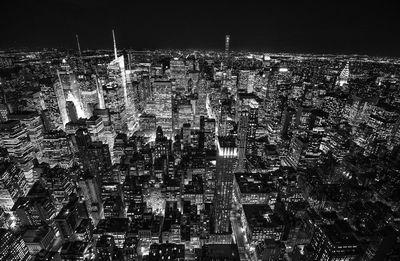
(57, 149)
(71, 111)
(227, 40)
(3, 113)
(162, 105)
(247, 110)
(14, 137)
(12, 247)
(67, 89)
(12, 185)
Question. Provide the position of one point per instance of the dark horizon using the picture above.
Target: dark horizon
(290, 27)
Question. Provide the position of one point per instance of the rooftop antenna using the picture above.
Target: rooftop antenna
(115, 45)
(79, 46)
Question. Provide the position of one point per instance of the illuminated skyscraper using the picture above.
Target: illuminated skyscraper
(162, 105)
(330, 243)
(115, 93)
(57, 149)
(32, 122)
(297, 146)
(90, 190)
(226, 164)
(344, 75)
(12, 185)
(71, 111)
(12, 247)
(3, 113)
(49, 104)
(247, 109)
(178, 70)
(89, 89)
(207, 127)
(67, 90)
(36, 208)
(227, 40)
(15, 139)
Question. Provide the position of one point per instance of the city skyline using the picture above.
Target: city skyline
(227, 138)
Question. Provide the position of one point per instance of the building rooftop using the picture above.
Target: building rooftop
(261, 216)
(254, 183)
(113, 225)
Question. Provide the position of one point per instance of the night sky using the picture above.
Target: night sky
(334, 27)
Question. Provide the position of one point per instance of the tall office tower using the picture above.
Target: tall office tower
(247, 110)
(162, 147)
(272, 102)
(247, 80)
(227, 41)
(287, 122)
(32, 122)
(89, 187)
(49, 104)
(185, 115)
(139, 90)
(71, 111)
(12, 185)
(226, 117)
(162, 106)
(342, 81)
(186, 137)
(96, 129)
(67, 220)
(226, 164)
(115, 94)
(207, 128)
(57, 149)
(12, 247)
(100, 93)
(120, 145)
(201, 104)
(4, 156)
(15, 139)
(147, 124)
(36, 207)
(242, 139)
(67, 89)
(344, 75)
(89, 93)
(330, 242)
(178, 71)
(94, 156)
(60, 184)
(3, 112)
(297, 146)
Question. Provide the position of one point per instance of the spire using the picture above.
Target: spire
(115, 45)
(79, 46)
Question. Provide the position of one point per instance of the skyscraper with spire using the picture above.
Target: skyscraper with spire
(115, 92)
